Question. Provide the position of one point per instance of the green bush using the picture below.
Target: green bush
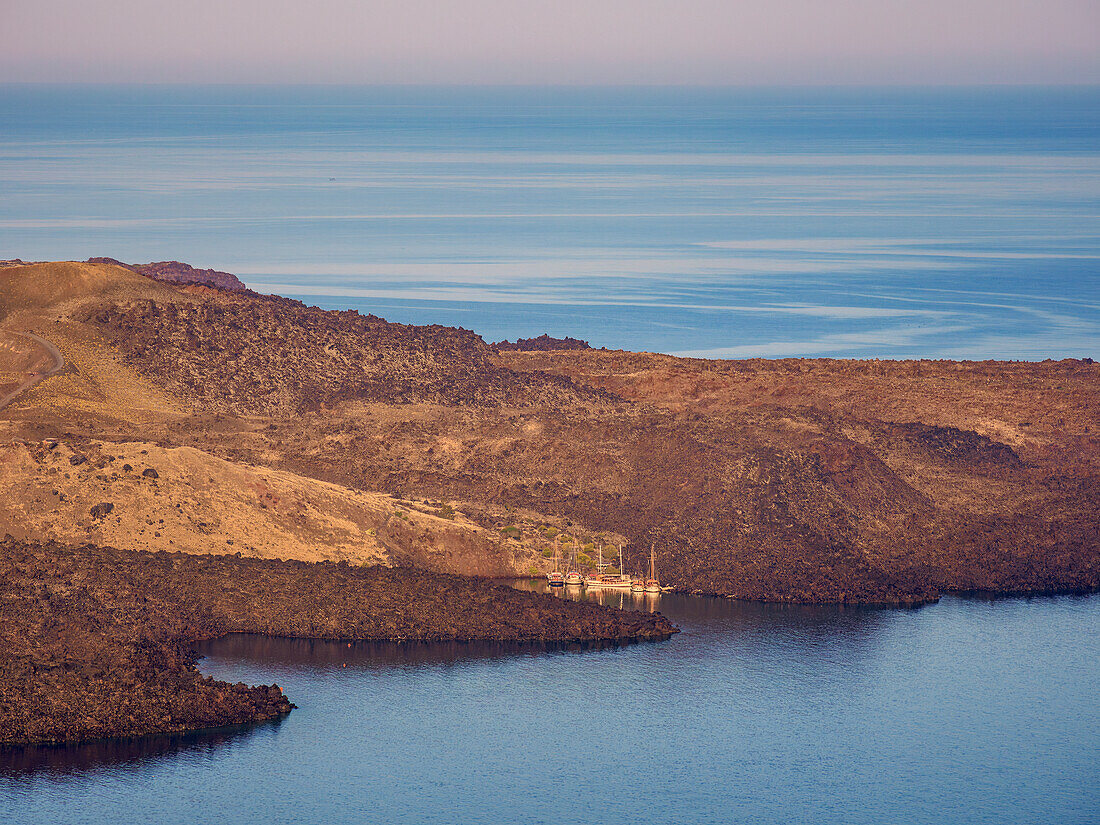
(447, 511)
(510, 532)
(548, 554)
(551, 532)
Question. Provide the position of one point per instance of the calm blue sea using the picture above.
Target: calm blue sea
(965, 711)
(959, 223)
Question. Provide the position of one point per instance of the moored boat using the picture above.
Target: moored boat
(555, 577)
(602, 579)
(652, 584)
(573, 577)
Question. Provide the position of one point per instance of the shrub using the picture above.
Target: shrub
(447, 511)
(510, 532)
(548, 554)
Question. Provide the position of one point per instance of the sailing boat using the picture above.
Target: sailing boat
(621, 579)
(593, 580)
(573, 577)
(555, 576)
(652, 585)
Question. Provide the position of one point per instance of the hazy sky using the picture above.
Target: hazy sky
(552, 41)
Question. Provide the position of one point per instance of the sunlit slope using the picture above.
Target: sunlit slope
(48, 287)
(145, 497)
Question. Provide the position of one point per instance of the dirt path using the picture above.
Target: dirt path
(38, 376)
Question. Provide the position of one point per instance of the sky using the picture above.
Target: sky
(568, 42)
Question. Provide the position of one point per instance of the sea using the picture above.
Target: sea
(726, 223)
(964, 711)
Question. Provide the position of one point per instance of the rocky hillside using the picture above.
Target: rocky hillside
(264, 355)
(145, 497)
(792, 480)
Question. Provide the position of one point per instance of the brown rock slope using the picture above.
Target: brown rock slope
(95, 641)
(798, 480)
(271, 355)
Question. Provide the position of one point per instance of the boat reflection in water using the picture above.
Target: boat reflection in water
(622, 598)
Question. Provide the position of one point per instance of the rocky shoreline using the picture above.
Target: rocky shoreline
(97, 642)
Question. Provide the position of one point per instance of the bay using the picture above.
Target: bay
(962, 711)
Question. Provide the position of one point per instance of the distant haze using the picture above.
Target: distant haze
(552, 41)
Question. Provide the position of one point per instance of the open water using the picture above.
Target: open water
(965, 711)
(959, 223)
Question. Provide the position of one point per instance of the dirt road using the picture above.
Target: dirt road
(54, 362)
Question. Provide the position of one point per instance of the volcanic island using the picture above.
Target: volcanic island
(182, 458)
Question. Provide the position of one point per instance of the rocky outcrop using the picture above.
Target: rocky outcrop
(175, 272)
(95, 641)
(543, 343)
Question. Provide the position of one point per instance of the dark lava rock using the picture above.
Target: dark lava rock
(127, 468)
(102, 510)
(175, 272)
(271, 355)
(544, 343)
(96, 642)
(77, 458)
(149, 472)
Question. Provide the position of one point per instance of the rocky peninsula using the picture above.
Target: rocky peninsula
(96, 641)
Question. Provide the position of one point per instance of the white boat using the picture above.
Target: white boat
(573, 577)
(601, 580)
(555, 577)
